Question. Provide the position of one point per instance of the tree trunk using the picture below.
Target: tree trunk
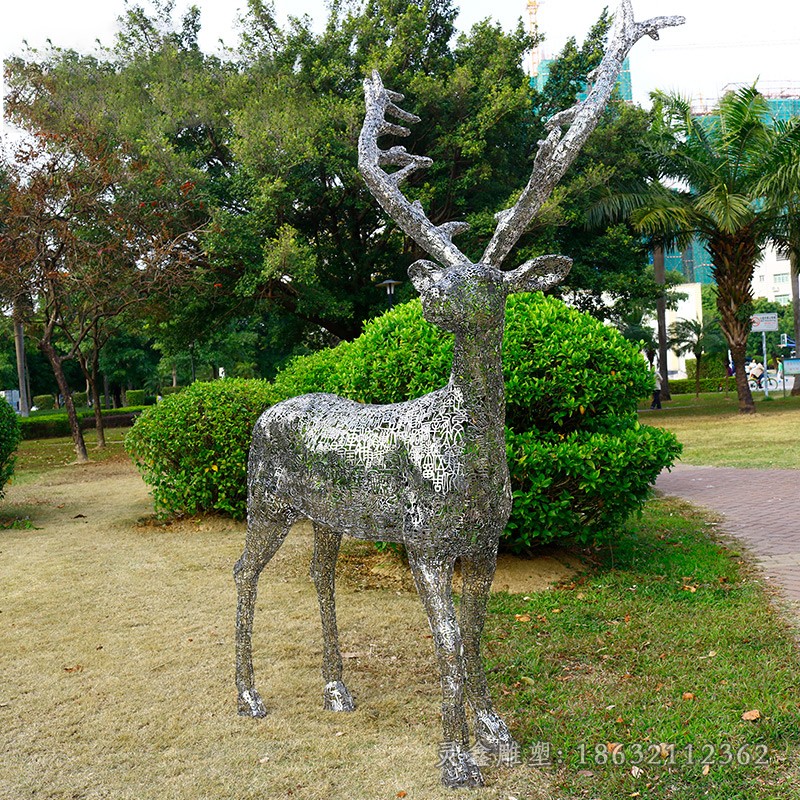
(660, 277)
(19, 345)
(794, 271)
(174, 374)
(58, 371)
(698, 361)
(734, 259)
(92, 378)
(98, 411)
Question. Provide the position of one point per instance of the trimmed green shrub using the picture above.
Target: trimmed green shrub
(714, 366)
(53, 424)
(687, 386)
(80, 399)
(47, 427)
(134, 397)
(44, 402)
(580, 463)
(9, 439)
(192, 447)
(168, 390)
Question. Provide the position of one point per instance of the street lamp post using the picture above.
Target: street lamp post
(389, 286)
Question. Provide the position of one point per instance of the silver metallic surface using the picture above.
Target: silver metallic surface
(432, 472)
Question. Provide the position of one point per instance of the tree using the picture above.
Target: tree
(783, 183)
(246, 163)
(632, 324)
(74, 249)
(696, 337)
(723, 159)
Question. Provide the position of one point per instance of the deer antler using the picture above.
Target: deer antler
(557, 152)
(435, 239)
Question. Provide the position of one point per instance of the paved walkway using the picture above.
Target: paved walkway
(761, 508)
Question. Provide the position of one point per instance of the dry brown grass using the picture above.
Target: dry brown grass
(116, 663)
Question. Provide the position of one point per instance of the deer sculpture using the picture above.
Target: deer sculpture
(430, 473)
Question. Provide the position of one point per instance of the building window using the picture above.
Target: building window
(781, 255)
(782, 277)
(762, 278)
(783, 299)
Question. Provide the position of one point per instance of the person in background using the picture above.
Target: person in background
(657, 391)
(756, 372)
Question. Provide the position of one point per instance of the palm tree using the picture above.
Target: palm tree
(783, 184)
(721, 163)
(696, 337)
(631, 324)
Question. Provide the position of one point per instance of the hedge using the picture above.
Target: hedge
(688, 385)
(9, 439)
(580, 463)
(135, 397)
(56, 424)
(714, 366)
(44, 402)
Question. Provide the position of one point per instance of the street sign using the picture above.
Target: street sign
(764, 322)
(786, 340)
(791, 366)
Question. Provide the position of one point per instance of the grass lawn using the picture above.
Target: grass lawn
(636, 675)
(116, 662)
(35, 456)
(714, 433)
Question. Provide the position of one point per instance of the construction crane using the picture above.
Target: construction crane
(533, 29)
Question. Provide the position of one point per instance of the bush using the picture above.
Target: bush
(580, 463)
(44, 402)
(134, 397)
(80, 399)
(45, 427)
(192, 446)
(714, 366)
(53, 424)
(168, 390)
(9, 439)
(688, 386)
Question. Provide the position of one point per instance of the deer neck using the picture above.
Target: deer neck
(478, 375)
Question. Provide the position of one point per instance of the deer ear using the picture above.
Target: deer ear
(423, 274)
(538, 274)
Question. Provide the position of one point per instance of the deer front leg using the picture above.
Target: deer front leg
(336, 696)
(433, 577)
(491, 731)
(263, 540)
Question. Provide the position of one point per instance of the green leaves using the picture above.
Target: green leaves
(9, 439)
(580, 463)
(192, 447)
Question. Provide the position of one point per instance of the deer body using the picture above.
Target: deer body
(430, 473)
(374, 472)
(393, 472)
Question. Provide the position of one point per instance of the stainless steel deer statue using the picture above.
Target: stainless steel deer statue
(430, 473)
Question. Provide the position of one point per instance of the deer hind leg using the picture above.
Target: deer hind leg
(268, 524)
(433, 577)
(491, 731)
(336, 696)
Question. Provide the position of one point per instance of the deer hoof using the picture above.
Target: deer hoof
(250, 704)
(459, 769)
(336, 697)
(494, 737)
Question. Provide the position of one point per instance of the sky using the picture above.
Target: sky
(749, 41)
